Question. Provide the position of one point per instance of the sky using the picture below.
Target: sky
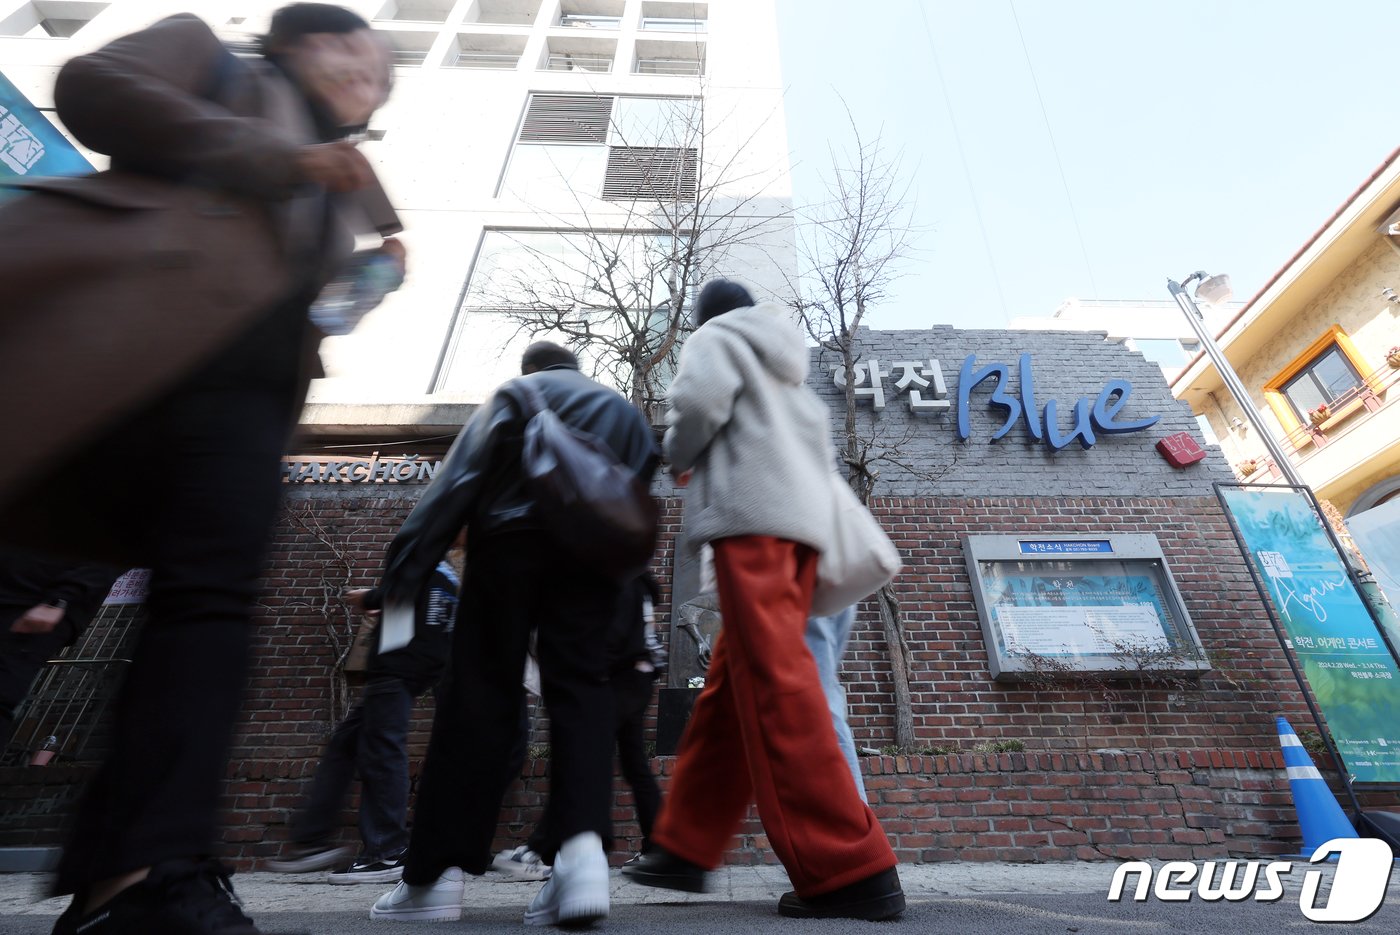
(1190, 135)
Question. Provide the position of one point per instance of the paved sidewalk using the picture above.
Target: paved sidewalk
(308, 893)
(275, 892)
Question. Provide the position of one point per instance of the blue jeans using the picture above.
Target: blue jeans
(373, 741)
(826, 638)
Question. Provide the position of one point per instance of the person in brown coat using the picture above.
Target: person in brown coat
(181, 471)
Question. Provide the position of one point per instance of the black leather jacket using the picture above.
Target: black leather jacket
(480, 484)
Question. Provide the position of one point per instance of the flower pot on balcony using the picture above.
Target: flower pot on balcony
(1248, 467)
(1393, 360)
(1319, 415)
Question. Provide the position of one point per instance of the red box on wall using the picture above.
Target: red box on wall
(1181, 450)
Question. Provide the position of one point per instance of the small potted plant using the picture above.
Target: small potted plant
(1248, 466)
(1319, 415)
(1392, 357)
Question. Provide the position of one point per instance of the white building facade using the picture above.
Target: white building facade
(554, 156)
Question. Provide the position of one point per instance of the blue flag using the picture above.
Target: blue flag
(29, 144)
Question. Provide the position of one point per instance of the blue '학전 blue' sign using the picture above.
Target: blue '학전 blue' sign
(1064, 547)
(29, 144)
(1091, 418)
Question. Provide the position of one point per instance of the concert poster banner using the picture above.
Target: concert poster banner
(1348, 666)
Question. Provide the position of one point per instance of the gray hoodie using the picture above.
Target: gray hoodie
(757, 438)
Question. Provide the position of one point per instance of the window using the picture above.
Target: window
(576, 21)
(1329, 371)
(581, 279)
(656, 121)
(663, 16)
(616, 148)
(578, 54)
(566, 118)
(1321, 381)
(669, 56)
(504, 12)
(416, 11)
(408, 48)
(591, 14)
(484, 51)
(636, 173)
(51, 19)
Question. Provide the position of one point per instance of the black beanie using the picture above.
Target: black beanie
(719, 296)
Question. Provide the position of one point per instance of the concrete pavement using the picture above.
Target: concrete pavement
(955, 897)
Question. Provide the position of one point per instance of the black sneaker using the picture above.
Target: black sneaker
(309, 858)
(666, 870)
(179, 897)
(872, 899)
(370, 870)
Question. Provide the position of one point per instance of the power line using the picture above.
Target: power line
(1044, 115)
(962, 155)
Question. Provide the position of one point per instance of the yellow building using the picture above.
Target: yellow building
(1318, 348)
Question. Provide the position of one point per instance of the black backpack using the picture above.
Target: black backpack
(595, 506)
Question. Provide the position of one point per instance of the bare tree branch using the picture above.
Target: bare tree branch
(850, 249)
(619, 289)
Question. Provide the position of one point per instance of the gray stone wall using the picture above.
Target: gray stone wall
(922, 455)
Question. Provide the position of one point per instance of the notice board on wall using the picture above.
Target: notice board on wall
(1079, 604)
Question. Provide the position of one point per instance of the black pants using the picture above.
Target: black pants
(372, 741)
(631, 692)
(190, 487)
(517, 583)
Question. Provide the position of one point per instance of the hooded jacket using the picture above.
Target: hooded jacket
(481, 484)
(758, 439)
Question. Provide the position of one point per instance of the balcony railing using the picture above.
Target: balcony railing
(660, 24)
(669, 66)
(499, 60)
(588, 21)
(1368, 396)
(1358, 402)
(563, 61)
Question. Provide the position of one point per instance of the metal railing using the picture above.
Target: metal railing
(587, 21)
(567, 61)
(1344, 410)
(661, 24)
(65, 708)
(670, 66)
(503, 61)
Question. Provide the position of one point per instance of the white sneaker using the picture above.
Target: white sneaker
(522, 865)
(577, 891)
(438, 902)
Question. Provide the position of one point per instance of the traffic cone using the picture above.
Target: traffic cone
(1319, 816)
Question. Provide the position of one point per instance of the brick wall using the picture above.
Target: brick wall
(955, 701)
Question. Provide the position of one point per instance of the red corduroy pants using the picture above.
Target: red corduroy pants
(761, 731)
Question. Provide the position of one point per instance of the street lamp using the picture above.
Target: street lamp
(1213, 290)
